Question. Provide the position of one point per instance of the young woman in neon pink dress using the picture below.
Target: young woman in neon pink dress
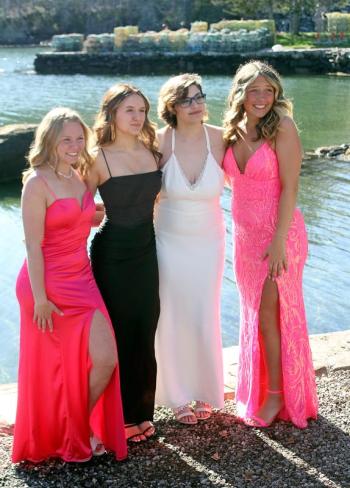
(262, 161)
(69, 403)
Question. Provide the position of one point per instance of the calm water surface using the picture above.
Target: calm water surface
(322, 105)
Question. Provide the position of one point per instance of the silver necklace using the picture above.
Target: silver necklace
(68, 177)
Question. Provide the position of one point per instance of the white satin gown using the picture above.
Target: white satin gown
(190, 238)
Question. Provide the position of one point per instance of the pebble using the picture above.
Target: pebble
(218, 453)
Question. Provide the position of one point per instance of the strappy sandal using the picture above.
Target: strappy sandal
(203, 408)
(97, 446)
(185, 411)
(149, 431)
(135, 438)
(256, 421)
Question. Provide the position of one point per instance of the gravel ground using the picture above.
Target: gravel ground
(218, 453)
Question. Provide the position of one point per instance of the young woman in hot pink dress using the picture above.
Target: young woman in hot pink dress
(69, 403)
(262, 161)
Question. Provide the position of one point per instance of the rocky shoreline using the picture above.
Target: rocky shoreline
(222, 452)
(341, 152)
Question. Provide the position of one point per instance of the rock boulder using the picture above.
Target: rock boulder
(14, 145)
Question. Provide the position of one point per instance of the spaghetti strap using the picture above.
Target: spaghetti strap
(109, 171)
(207, 138)
(172, 140)
(48, 186)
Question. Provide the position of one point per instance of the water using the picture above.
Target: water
(321, 108)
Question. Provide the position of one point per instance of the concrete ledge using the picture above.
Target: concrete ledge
(329, 351)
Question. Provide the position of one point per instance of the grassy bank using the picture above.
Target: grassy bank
(310, 40)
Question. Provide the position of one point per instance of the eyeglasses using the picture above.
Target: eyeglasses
(187, 102)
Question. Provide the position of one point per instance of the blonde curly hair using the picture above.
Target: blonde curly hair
(267, 126)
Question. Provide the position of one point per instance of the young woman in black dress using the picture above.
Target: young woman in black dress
(123, 252)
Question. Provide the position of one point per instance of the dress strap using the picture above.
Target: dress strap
(48, 186)
(172, 140)
(109, 171)
(207, 138)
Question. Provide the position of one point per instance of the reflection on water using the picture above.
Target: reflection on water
(324, 189)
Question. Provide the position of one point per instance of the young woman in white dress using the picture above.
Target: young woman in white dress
(190, 237)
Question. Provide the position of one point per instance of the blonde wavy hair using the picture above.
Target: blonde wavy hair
(174, 90)
(44, 147)
(267, 127)
(104, 127)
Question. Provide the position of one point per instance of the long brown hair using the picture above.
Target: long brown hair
(43, 148)
(104, 127)
(267, 126)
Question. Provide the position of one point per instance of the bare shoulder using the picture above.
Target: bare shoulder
(215, 135)
(34, 186)
(215, 130)
(287, 126)
(163, 135)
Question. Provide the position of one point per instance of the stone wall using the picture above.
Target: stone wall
(308, 61)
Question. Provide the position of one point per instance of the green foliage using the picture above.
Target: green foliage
(307, 40)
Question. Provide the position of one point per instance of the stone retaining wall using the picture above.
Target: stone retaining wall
(307, 61)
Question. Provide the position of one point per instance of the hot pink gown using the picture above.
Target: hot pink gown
(53, 379)
(255, 199)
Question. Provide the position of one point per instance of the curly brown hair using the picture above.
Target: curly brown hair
(175, 89)
(104, 127)
(267, 126)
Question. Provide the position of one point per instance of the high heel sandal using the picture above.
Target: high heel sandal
(150, 429)
(255, 421)
(137, 437)
(97, 447)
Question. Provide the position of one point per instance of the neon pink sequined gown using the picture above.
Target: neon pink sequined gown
(255, 199)
(53, 379)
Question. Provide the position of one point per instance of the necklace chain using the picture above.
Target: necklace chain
(68, 177)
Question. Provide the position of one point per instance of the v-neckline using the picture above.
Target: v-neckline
(193, 185)
(242, 171)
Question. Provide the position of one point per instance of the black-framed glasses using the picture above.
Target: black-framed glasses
(199, 98)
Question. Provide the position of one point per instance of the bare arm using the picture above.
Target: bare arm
(33, 213)
(289, 154)
(92, 181)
